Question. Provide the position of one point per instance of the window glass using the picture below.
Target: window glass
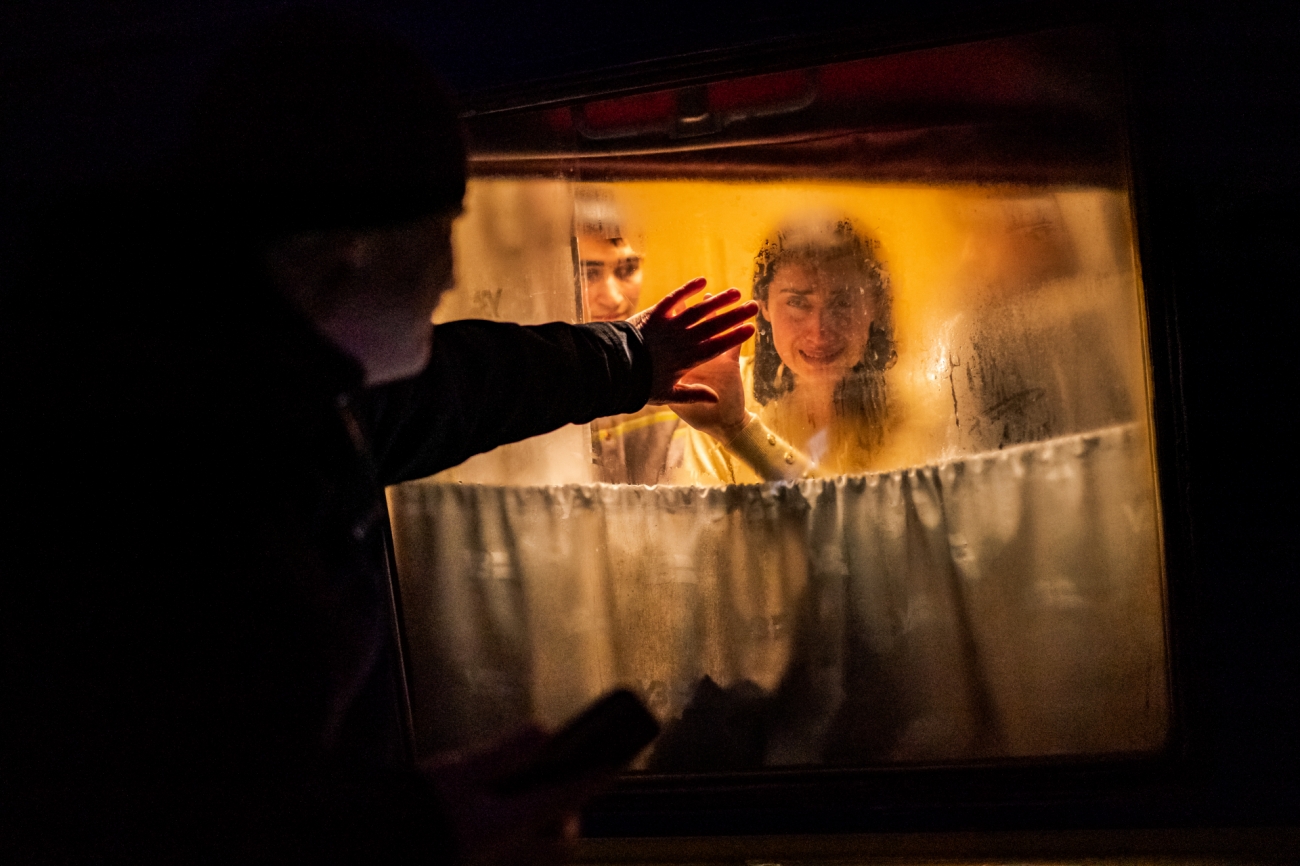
(963, 561)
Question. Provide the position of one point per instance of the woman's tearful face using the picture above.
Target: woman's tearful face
(821, 318)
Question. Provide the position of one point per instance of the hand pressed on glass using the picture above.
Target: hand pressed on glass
(681, 339)
(726, 417)
(741, 431)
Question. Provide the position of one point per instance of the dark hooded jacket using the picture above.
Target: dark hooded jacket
(199, 641)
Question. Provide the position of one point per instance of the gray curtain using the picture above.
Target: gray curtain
(1005, 604)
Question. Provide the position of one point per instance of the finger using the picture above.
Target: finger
(708, 349)
(729, 358)
(678, 295)
(685, 392)
(709, 305)
(724, 321)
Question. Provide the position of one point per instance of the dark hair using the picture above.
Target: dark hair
(861, 393)
(595, 212)
(323, 121)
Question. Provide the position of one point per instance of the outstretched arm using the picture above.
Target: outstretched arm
(489, 383)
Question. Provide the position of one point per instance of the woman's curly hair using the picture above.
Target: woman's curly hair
(817, 241)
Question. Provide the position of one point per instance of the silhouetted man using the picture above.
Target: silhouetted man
(211, 378)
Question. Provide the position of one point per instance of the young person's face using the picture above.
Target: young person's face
(611, 277)
(821, 317)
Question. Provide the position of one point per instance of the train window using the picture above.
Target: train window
(944, 542)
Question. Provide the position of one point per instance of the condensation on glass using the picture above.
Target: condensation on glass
(952, 338)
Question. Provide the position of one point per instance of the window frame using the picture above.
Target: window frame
(1009, 794)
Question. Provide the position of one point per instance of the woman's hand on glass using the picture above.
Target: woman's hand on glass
(681, 338)
(724, 419)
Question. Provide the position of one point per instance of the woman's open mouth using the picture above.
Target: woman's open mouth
(821, 357)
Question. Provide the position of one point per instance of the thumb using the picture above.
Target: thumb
(686, 393)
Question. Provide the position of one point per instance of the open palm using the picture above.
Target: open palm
(680, 339)
(725, 418)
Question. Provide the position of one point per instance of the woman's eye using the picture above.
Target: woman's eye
(595, 273)
(798, 302)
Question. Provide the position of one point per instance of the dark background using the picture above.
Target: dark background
(93, 91)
